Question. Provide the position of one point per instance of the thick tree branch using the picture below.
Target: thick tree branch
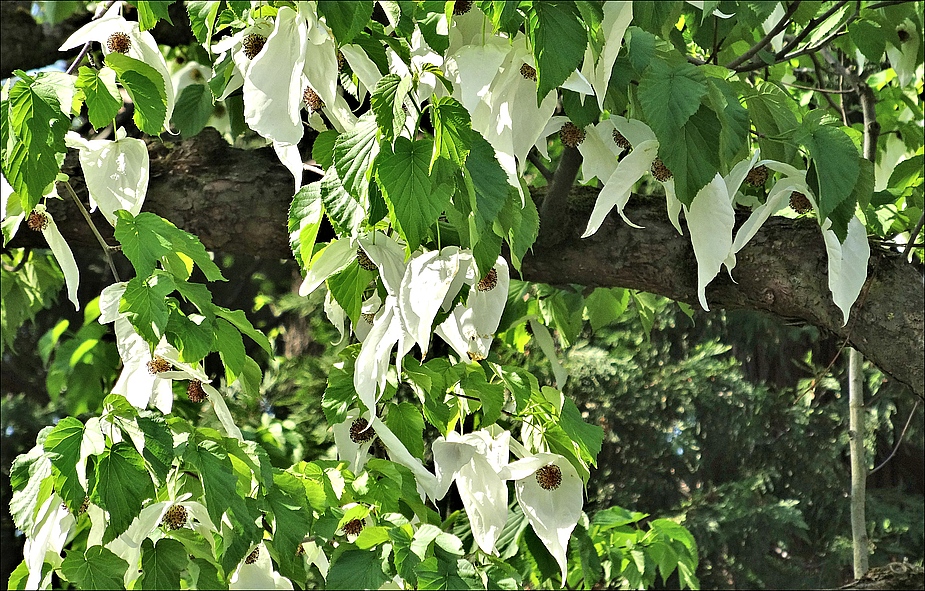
(236, 201)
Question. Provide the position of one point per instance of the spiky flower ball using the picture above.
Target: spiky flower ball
(902, 34)
(195, 392)
(369, 318)
(461, 7)
(119, 42)
(84, 506)
(312, 99)
(661, 172)
(300, 550)
(473, 356)
(489, 281)
(341, 61)
(158, 365)
(360, 431)
(549, 477)
(353, 527)
(757, 176)
(175, 517)
(571, 135)
(364, 260)
(620, 140)
(253, 43)
(253, 556)
(37, 221)
(800, 203)
(528, 72)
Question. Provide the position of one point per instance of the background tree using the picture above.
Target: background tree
(784, 65)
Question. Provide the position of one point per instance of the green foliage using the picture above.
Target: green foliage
(145, 86)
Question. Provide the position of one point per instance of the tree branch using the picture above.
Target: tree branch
(554, 210)
(236, 202)
(764, 41)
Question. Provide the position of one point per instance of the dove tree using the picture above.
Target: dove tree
(434, 158)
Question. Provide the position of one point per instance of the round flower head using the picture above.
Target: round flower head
(256, 572)
(353, 438)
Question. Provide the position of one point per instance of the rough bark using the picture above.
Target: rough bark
(236, 201)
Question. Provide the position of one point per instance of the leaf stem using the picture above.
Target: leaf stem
(103, 8)
(107, 249)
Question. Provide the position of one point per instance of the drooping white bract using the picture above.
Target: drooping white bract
(549, 491)
(617, 17)
(599, 153)
(352, 441)
(52, 527)
(398, 453)
(233, 46)
(385, 252)
(259, 574)
(473, 461)
(372, 365)
(141, 47)
(710, 219)
(847, 262)
(61, 250)
(116, 172)
(146, 377)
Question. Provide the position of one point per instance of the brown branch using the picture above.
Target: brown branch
(236, 202)
(554, 217)
(898, 441)
(764, 41)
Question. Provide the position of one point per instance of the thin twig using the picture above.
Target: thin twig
(899, 441)
(467, 397)
(915, 234)
(103, 8)
(819, 90)
(107, 250)
(818, 69)
(534, 158)
(764, 41)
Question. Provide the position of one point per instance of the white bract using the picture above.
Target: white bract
(51, 531)
(141, 45)
(549, 491)
(59, 248)
(116, 172)
(473, 461)
(259, 574)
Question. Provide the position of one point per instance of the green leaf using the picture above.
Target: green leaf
(453, 133)
(101, 95)
(834, 159)
(202, 19)
(145, 86)
(520, 222)
(588, 437)
(19, 577)
(37, 128)
(344, 210)
(558, 40)
(323, 148)
(692, 155)
(415, 201)
(194, 341)
(291, 522)
(161, 564)
(97, 568)
(669, 94)
(347, 288)
(606, 305)
(356, 569)
(305, 215)
(520, 382)
(239, 319)
(587, 554)
(490, 395)
(251, 377)
(354, 152)
(734, 119)
(489, 182)
(340, 395)
(158, 452)
(869, 38)
(387, 100)
(230, 348)
(122, 486)
(147, 237)
(151, 12)
(581, 114)
(145, 306)
(770, 109)
(63, 448)
(346, 19)
(193, 109)
(406, 422)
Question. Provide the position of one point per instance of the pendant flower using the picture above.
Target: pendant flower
(147, 377)
(256, 572)
(473, 461)
(115, 34)
(52, 527)
(847, 261)
(41, 221)
(353, 438)
(549, 491)
(116, 172)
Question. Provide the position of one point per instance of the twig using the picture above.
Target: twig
(915, 234)
(818, 69)
(898, 441)
(103, 8)
(467, 397)
(534, 158)
(764, 41)
(819, 90)
(107, 250)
